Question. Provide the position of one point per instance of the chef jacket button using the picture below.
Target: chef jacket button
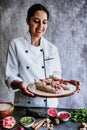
(27, 67)
(42, 67)
(29, 102)
(41, 49)
(44, 100)
(26, 51)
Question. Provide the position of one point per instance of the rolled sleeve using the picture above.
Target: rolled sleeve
(12, 72)
(10, 79)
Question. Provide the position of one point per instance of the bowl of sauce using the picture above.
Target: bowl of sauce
(64, 115)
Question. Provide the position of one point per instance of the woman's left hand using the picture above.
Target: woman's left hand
(75, 82)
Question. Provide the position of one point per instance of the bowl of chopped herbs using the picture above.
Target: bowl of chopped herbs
(27, 121)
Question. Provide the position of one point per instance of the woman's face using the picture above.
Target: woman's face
(38, 24)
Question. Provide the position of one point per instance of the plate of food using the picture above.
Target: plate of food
(54, 87)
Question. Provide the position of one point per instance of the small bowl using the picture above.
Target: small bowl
(63, 115)
(52, 112)
(6, 109)
(27, 121)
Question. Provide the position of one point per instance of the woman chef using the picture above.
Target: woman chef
(32, 57)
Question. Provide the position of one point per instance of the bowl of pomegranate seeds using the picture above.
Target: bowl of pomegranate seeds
(64, 115)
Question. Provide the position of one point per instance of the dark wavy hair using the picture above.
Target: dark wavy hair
(36, 7)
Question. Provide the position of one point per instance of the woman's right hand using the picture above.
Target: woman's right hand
(23, 88)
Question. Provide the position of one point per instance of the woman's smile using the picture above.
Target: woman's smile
(39, 30)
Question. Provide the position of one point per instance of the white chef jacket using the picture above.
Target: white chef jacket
(26, 62)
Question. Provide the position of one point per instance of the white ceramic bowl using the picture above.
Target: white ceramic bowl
(64, 115)
(27, 121)
(6, 109)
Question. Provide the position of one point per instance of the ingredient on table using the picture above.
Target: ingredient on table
(48, 124)
(79, 115)
(52, 112)
(56, 121)
(38, 124)
(21, 128)
(82, 128)
(6, 109)
(34, 113)
(27, 121)
(9, 122)
(64, 115)
(84, 125)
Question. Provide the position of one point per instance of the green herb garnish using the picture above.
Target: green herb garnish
(79, 115)
(50, 76)
(26, 120)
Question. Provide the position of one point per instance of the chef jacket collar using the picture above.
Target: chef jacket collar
(27, 36)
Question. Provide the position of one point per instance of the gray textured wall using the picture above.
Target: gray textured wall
(67, 30)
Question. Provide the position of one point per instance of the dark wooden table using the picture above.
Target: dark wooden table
(20, 112)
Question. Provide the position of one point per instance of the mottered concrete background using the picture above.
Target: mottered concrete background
(67, 30)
